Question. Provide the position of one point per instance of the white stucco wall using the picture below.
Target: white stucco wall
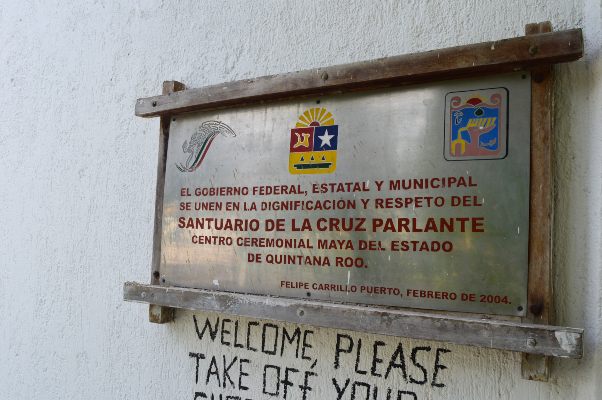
(77, 186)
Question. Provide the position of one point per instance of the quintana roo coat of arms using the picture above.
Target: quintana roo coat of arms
(313, 144)
(476, 124)
(200, 142)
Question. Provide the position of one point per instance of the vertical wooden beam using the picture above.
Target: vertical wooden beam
(540, 305)
(160, 314)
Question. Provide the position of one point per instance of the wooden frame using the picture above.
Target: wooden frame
(483, 332)
(156, 313)
(536, 52)
(540, 301)
(507, 55)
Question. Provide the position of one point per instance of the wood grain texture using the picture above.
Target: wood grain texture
(495, 334)
(454, 62)
(540, 301)
(158, 314)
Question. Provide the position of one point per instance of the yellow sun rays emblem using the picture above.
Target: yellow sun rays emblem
(314, 141)
(315, 117)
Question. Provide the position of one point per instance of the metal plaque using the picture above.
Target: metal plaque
(414, 197)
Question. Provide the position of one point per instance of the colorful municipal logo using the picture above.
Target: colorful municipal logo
(476, 124)
(313, 146)
(200, 142)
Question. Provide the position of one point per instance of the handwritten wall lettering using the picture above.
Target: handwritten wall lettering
(255, 360)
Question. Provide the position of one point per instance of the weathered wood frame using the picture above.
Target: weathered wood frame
(540, 295)
(536, 52)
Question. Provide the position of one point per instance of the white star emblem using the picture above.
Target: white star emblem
(325, 138)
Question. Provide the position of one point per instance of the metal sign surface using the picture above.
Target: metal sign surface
(413, 197)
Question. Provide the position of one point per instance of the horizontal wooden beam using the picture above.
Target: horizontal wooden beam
(506, 55)
(504, 335)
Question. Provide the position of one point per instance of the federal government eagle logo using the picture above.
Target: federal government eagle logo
(200, 142)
